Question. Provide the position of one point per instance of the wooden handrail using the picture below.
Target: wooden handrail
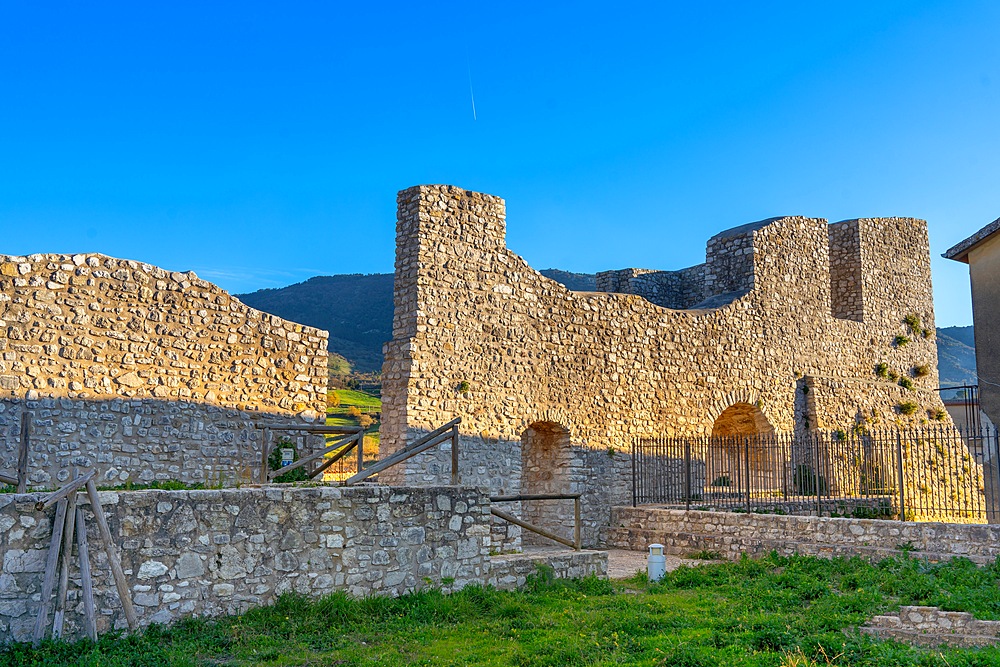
(8, 477)
(308, 428)
(336, 444)
(442, 434)
(575, 497)
(535, 496)
(433, 434)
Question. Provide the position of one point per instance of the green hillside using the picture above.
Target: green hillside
(956, 356)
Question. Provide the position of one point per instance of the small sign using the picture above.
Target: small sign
(287, 456)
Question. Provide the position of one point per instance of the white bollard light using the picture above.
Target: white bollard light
(656, 566)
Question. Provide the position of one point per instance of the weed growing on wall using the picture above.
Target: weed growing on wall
(274, 463)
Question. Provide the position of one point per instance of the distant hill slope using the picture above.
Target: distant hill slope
(357, 311)
(956, 356)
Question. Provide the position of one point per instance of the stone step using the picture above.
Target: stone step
(930, 639)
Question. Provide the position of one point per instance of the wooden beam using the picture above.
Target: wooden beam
(87, 583)
(67, 555)
(51, 561)
(398, 457)
(309, 459)
(109, 548)
(333, 459)
(8, 477)
(22, 456)
(54, 497)
(535, 529)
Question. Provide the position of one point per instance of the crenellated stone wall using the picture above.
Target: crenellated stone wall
(776, 308)
(144, 373)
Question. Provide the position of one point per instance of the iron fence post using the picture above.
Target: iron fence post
(746, 469)
(576, 524)
(635, 450)
(819, 500)
(454, 455)
(899, 474)
(687, 474)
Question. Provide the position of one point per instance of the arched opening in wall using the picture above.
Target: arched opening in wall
(744, 452)
(547, 466)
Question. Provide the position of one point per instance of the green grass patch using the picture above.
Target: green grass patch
(360, 399)
(770, 612)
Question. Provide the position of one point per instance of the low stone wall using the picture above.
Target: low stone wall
(216, 552)
(511, 571)
(930, 626)
(731, 534)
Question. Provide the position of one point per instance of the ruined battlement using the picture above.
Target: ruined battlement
(736, 263)
(783, 328)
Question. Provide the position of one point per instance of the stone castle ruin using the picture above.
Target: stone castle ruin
(792, 324)
(143, 373)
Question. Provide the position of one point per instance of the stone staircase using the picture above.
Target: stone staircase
(929, 626)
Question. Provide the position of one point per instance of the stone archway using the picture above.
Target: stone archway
(547, 466)
(741, 419)
(741, 452)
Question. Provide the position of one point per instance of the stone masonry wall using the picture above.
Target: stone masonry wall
(204, 553)
(610, 367)
(732, 534)
(143, 372)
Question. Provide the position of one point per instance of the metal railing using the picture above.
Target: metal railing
(931, 473)
(575, 497)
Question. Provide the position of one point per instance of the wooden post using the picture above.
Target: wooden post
(22, 457)
(576, 524)
(50, 572)
(67, 554)
(454, 455)
(361, 450)
(109, 547)
(265, 453)
(89, 619)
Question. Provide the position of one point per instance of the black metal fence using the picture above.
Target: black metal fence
(932, 473)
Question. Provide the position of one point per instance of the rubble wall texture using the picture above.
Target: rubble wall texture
(732, 534)
(142, 372)
(205, 553)
(481, 335)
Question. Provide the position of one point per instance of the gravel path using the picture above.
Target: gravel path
(623, 564)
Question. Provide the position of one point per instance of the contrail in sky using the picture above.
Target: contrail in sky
(471, 94)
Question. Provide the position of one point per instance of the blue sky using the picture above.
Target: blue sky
(262, 143)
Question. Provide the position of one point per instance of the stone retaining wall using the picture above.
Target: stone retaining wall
(223, 551)
(142, 372)
(732, 534)
(930, 626)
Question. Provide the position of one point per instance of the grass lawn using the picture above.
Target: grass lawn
(337, 416)
(360, 399)
(788, 612)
